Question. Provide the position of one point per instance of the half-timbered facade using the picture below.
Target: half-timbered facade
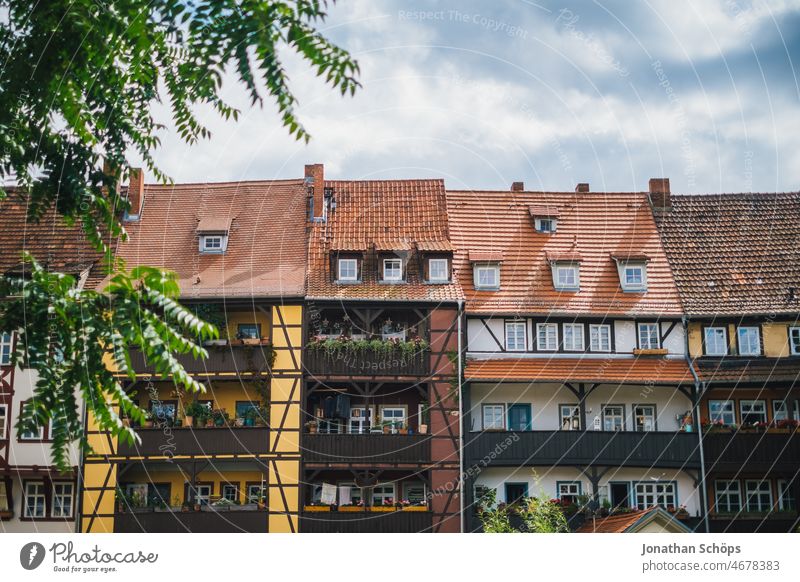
(576, 385)
(735, 261)
(381, 426)
(226, 459)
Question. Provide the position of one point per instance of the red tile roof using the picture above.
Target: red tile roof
(381, 215)
(735, 253)
(266, 254)
(606, 370)
(55, 244)
(734, 371)
(624, 522)
(595, 225)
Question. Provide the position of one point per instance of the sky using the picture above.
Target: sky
(486, 93)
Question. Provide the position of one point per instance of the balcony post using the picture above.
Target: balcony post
(582, 405)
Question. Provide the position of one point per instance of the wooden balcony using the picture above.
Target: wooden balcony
(210, 521)
(366, 522)
(198, 442)
(361, 449)
(778, 522)
(244, 360)
(571, 448)
(759, 452)
(367, 363)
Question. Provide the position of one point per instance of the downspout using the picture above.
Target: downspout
(460, 420)
(699, 390)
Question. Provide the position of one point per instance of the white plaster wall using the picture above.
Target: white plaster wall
(675, 342)
(478, 337)
(625, 336)
(542, 481)
(15, 525)
(545, 399)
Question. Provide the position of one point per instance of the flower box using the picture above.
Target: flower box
(651, 352)
(415, 508)
(350, 508)
(316, 508)
(382, 508)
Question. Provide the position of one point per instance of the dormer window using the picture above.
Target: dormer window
(567, 277)
(347, 270)
(545, 218)
(438, 270)
(547, 225)
(487, 276)
(632, 272)
(213, 243)
(393, 270)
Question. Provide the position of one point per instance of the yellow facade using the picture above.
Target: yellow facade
(774, 337)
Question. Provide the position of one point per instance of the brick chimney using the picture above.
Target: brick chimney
(582, 187)
(135, 194)
(518, 186)
(315, 183)
(659, 194)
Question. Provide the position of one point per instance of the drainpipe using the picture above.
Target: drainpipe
(460, 421)
(699, 390)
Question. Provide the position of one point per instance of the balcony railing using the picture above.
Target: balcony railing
(198, 441)
(751, 451)
(776, 522)
(210, 521)
(631, 449)
(366, 448)
(366, 522)
(241, 359)
(366, 362)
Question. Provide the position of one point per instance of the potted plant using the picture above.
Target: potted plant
(262, 502)
(385, 507)
(219, 417)
(250, 417)
(403, 429)
(316, 506)
(148, 420)
(352, 507)
(311, 426)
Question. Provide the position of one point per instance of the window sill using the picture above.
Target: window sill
(347, 282)
(650, 352)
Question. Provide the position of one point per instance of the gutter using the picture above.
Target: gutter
(460, 312)
(699, 390)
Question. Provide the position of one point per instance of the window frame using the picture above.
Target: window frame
(758, 493)
(654, 407)
(621, 416)
(728, 493)
(746, 328)
(237, 492)
(622, 270)
(340, 261)
(26, 495)
(21, 438)
(655, 494)
(400, 270)
(438, 260)
(794, 347)
(213, 250)
(574, 413)
(382, 494)
(786, 499)
(569, 484)
(493, 405)
(262, 491)
(255, 324)
(402, 407)
(574, 268)
(648, 324)
(516, 324)
(55, 496)
(752, 401)
(3, 421)
(598, 327)
(573, 327)
(540, 221)
(6, 347)
(732, 411)
(725, 340)
(546, 325)
(477, 268)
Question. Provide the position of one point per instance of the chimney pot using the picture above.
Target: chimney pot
(315, 182)
(659, 193)
(582, 187)
(518, 186)
(135, 193)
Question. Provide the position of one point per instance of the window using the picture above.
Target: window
(63, 497)
(487, 276)
(652, 493)
(794, 340)
(494, 417)
(3, 421)
(347, 270)
(568, 491)
(248, 331)
(545, 224)
(255, 493)
(633, 278)
(6, 342)
(515, 336)
(163, 412)
(360, 420)
(394, 416)
(438, 271)
(600, 338)
(383, 494)
(392, 269)
(567, 277)
(644, 417)
(516, 492)
(34, 499)
(728, 496)
(753, 411)
(29, 435)
(569, 416)
(519, 417)
(613, 417)
(716, 340)
(648, 336)
(749, 339)
(786, 500)
(202, 494)
(546, 336)
(213, 243)
(721, 412)
(248, 411)
(414, 491)
(573, 337)
(330, 426)
(759, 495)
(230, 492)
(781, 412)
(5, 502)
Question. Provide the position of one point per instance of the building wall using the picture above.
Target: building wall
(542, 481)
(546, 398)
(774, 336)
